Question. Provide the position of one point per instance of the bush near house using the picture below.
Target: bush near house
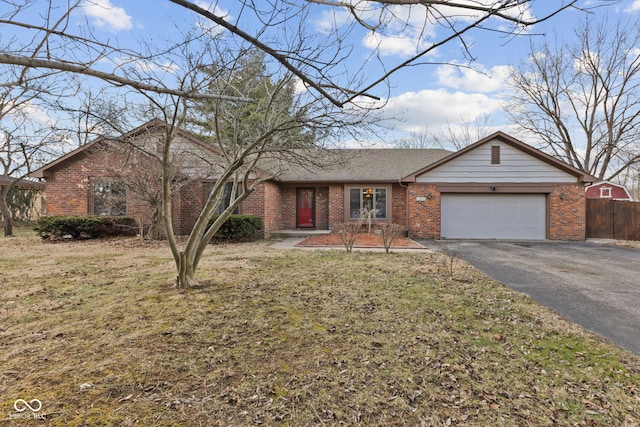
(85, 227)
(239, 228)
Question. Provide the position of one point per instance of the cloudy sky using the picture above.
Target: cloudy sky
(428, 96)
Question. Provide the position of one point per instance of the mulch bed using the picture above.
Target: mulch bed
(363, 240)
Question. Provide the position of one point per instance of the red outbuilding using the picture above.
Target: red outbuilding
(607, 190)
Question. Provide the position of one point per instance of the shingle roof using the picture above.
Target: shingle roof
(354, 165)
(23, 183)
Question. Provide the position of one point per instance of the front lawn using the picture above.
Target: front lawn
(95, 332)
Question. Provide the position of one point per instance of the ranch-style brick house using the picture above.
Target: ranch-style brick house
(497, 188)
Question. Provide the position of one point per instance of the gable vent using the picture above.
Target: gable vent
(495, 154)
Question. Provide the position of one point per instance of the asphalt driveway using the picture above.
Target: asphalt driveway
(594, 285)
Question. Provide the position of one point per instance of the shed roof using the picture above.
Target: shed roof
(22, 183)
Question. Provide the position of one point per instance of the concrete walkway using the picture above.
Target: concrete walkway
(291, 242)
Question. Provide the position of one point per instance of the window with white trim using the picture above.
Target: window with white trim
(605, 192)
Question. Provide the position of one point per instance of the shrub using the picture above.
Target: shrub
(348, 232)
(389, 233)
(84, 227)
(239, 228)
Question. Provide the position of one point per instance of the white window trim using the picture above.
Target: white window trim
(605, 192)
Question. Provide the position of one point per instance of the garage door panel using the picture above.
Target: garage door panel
(493, 216)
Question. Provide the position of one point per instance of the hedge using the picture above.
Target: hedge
(239, 228)
(85, 227)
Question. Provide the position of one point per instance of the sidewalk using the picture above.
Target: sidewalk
(291, 242)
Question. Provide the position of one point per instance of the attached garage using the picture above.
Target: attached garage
(494, 216)
(497, 188)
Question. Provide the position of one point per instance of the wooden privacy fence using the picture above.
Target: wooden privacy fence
(613, 219)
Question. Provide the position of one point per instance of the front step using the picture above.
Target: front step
(283, 234)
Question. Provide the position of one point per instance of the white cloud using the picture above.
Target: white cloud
(207, 25)
(34, 113)
(105, 15)
(520, 10)
(402, 45)
(478, 79)
(331, 19)
(634, 7)
(406, 30)
(146, 66)
(438, 108)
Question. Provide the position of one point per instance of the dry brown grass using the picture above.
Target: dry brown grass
(96, 333)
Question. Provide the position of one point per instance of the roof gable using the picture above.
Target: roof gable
(499, 138)
(147, 127)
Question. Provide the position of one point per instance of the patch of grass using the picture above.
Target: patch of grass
(96, 333)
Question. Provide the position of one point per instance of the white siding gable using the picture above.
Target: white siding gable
(515, 166)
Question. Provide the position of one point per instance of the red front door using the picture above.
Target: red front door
(305, 211)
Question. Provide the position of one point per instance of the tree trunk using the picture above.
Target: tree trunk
(154, 227)
(6, 218)
(186, 274)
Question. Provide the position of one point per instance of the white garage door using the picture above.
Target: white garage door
(493, 216)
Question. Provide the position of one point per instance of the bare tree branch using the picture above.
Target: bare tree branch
(108, 77)
(581, 98)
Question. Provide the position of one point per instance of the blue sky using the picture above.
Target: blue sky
(429, 96)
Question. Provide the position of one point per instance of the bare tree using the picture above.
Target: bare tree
(26, 134)
(330, 103)
(581, 97)
(452, 137)
(24, 140)
(319, 69)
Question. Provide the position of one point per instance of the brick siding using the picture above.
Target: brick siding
(68, 188)
(399, 205)
(423, 215)
(68, 192)
(567, 210)
(265, 202)
(336, 206)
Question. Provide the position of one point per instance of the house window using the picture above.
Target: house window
(605, 192)
(368, 199)
(109, 197)
(495, 154)
(227, 197)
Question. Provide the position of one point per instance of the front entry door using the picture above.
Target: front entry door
(305, 212)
